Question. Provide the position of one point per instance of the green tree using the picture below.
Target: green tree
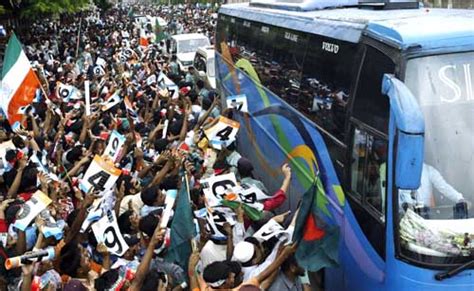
(41, 8)
(103, 4)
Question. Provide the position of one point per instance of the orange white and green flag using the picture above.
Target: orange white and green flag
(19, 81)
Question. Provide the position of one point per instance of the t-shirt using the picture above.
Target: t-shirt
(212, 252)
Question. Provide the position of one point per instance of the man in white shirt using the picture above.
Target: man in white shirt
(430, 177)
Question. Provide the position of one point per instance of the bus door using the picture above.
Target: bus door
(366, 167)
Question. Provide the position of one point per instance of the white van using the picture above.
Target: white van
(204, 62)
(185, 47)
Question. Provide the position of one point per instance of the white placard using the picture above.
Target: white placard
(101, 174)
(271, 229)
(216, 217)
(98, 71)
(165, 129)
(101, 62)
(4, 147)
(223, 133)
(215, 187)
(112, 101)
(114, 147)
(88, 97)
(106, 230)
(169, 202)
(67, 92)
(248, 194)
(38, 202)
(165, 83)
(238, 102)
(151, 79)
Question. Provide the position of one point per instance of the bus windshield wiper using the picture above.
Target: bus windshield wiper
(448, 274)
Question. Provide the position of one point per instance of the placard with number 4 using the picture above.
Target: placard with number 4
(223, 133)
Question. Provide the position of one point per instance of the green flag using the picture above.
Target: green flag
(131, 12)
(159, 33)
(250, 212)
(318, 240)
(182, 229)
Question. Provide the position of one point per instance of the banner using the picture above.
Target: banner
(114, 147)
(101, 174)
(223, 133)
(238, 102)
(106, 230)
(215, 187)
(38, 202)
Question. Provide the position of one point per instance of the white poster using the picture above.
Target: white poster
(38, 202)
(216, 217)
(101, 62)
(271, 229)
(101, 174)
(88, 97)
(238, 102)
(111, 101)
(165, 83)
(248, 194)
(223, 133)
(215, 187)
(114, 147)
(67, 92)
(106, 230)
(169, 202)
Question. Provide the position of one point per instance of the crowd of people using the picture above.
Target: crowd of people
(123, 227)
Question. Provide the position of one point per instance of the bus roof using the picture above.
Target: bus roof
(186, 36)
(430, 28)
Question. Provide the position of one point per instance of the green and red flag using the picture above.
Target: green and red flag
(318, 241)
(19, 81)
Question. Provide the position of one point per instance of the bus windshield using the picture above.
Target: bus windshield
(437, 220)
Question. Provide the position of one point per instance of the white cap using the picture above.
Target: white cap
(243, 252)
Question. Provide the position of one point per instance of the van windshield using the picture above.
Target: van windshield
(191, 45)
(437, 220)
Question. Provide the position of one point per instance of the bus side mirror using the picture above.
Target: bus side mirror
(409, 131)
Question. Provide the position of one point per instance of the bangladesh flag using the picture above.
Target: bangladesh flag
(182, 230)
(131, 12)
(19, 81)
(318, 241)
(159, 33)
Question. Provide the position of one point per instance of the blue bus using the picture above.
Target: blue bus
(377, 101)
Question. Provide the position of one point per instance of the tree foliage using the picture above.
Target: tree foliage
(39, 8)
(103, 4)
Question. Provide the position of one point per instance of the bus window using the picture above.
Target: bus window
(368, 184)
(287, 64)
(327, 75)
(370, 106)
